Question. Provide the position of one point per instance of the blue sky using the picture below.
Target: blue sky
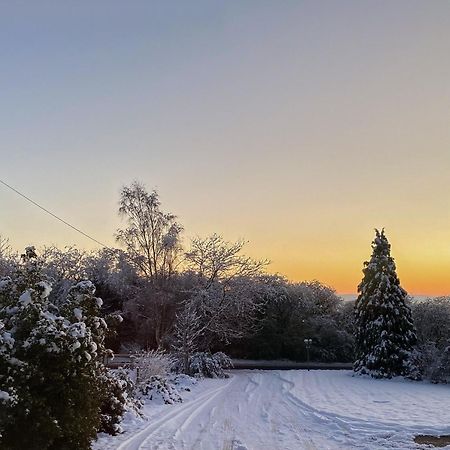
(297, 125)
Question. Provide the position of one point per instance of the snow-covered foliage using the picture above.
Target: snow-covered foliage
(433, 362)
(160, 390)
(188, 330)
(8, 259)
(206, 365)
(182, 381)
(432, 321)
(293, 312)
(226, 293)
(64, 267)
(153, 380)
(432, 354)
(385, 333)
(51, 362)
(152, 363)
(119, 397)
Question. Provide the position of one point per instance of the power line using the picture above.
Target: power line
(52, 214)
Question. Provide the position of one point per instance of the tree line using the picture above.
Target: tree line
(209, 296)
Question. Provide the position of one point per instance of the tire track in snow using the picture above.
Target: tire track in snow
(185, 424)
(226, 431)
(358, 433)
(294, 410)
(137, 441)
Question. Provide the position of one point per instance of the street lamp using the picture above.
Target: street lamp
(308, 343)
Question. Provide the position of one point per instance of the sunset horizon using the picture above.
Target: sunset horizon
(298, 128)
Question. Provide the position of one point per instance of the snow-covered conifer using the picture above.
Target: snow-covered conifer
(385, 333)
(52, 377)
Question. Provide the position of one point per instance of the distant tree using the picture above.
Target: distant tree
(432, 321)
(385, 334)
(8, 259)
(187, 331)
(152, 237)
(432, 353)
(228, 290)
(5, 247)
(293, 312)
(214, 259)
(64, 267)
(115, 278)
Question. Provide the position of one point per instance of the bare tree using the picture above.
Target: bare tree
(225, 298)
(188, 330)
(5, 247)
(215, 259)
(152, 237)
(7, 257)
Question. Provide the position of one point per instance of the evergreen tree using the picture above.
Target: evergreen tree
(385, 333)
(53, 383)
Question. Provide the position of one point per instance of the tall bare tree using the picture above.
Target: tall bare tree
(152, 237)
(226, 298)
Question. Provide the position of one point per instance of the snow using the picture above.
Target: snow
(75, 346)
(46, 289)
(25, 298)
(78, 313)
(296, 409)
(4, 396)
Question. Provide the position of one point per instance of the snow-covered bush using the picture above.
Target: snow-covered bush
(432, 321)
(182, 381)
(161, 390)
(206, 365)
(152, 363)
(50, 363)
(119, 396)
(153, 376)
(433, 362)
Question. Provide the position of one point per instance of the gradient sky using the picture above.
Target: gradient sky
(298, 125)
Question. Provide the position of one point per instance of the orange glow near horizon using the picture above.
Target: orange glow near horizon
(299, 126)
(422, 270)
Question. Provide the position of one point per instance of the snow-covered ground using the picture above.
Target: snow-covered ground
(297, 409)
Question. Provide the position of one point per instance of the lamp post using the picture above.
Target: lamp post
(308, 343)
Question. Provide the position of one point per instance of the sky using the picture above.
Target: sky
(299, 126)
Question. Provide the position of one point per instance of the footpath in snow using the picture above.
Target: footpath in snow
(291, 410)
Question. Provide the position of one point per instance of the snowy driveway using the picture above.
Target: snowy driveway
(293, 410)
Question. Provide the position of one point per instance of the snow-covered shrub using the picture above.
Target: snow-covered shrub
(123, 376)
(152, 363)
(160, 389)
(153, 376)
(206, 365)
(182, 381)
(432, 321)
(118, 396)
(50, 362)
(433, 362)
